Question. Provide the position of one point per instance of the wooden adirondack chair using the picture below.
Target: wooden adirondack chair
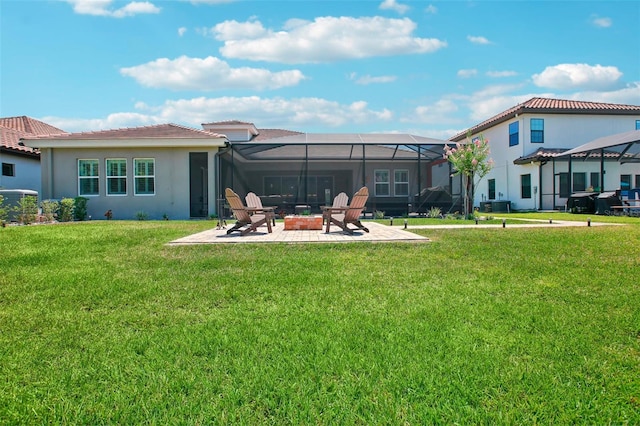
(340, 200)
(343, 216)
(249, 222)
(254, 203)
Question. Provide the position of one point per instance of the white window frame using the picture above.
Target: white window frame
(402, 183)
(137, 176)
(116, 177)
(382, 183)
(95, 177)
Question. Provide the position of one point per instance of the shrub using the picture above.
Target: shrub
(378, 214)
(65, 210)
(142, 215)
(4, 211)
(80, 208)
(434, 212)
(27, 209)
(49, 209)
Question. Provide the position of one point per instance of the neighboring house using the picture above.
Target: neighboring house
(162, 171)
(527, 143)
(21, 163)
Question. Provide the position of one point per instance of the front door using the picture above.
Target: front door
(198, 186)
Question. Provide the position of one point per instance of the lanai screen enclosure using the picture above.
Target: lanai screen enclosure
(404, 173)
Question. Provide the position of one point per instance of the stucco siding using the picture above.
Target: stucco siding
(171, 198)
(26, 173)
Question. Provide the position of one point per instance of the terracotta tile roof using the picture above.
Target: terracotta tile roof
(551, 106)
(29, 125)
(265, 134)
(229, 122)
(12, 129)
(541, 154)
(158, 131)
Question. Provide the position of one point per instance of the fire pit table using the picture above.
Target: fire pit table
(312, 222)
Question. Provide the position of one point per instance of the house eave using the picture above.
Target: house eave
(129, 143)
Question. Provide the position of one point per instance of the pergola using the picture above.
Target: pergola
(622, 148)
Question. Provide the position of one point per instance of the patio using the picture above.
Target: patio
(378, 233)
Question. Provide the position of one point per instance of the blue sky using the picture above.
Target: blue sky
(422, 67)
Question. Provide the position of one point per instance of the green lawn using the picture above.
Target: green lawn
(102, 323)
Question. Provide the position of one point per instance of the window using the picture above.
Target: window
(116, 176)
(579, 182)
(514, 133)
(564, 185)
(525, 186)
(144, 176)
(8, 169)
(492, 189)
(401, 183)
(88, 177)
(537, 130)
(625, 182)
(595, 181)
(637, 124)
(637, 181)
(382, 183)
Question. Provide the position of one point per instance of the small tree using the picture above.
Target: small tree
(80, 208)
(49, 209)
(471, 160)
(4, 211)
(65, 210)
(27, 209)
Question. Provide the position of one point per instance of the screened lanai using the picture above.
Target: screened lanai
(404, 173)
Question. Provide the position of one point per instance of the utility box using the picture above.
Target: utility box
(12, 199)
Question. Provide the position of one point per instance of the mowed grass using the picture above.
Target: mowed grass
(103, 323)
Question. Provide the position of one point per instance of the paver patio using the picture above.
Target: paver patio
(378, 233)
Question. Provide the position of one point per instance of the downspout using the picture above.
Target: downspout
(306, 173)
(540, 185)
(364, 172)
(553, 169)
(601, 169)
(218, 177)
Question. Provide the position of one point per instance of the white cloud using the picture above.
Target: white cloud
(578, 76)
(185, 73)
(601, 22)
(326, 39)
(499, 74)
(627, 95)
(182, 31)
(468, 73)
(441, 112)
(394, 5)
(291, 114)
(103, 8)
(431, 9)
(112, 121)
(367, 79)
(478, 40)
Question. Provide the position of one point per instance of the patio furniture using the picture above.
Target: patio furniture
(254, 204)
(343, 216)
(340, 200)
(249, 222)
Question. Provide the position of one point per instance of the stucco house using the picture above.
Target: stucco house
(21, 163)
(179, 172)
(527, 144)
(162, 171)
